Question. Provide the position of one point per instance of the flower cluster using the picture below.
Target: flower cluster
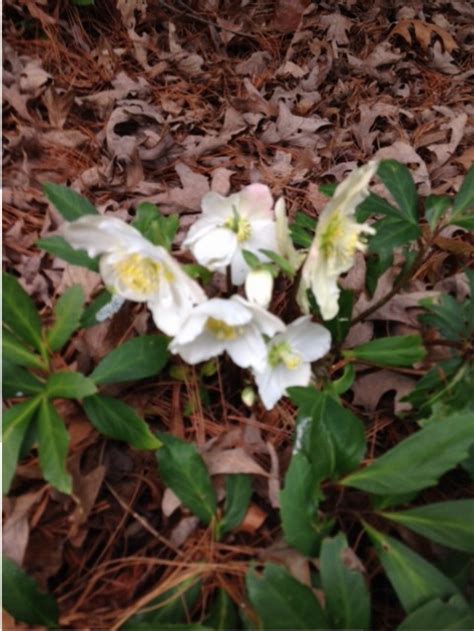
(248, 234)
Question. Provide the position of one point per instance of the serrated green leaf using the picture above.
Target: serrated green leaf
(447, 317)
(171, 608)
(116, 420)
(17, 382)
(16, 421)
(436, 614)
(414, 580)
(392, 232)
(398, 180)
(184, 472)
(155, 227)
(69, 385)
(449, 523)
(375, 205)
(346, 595)
(53, 439)
(399, 350)
(377, 264)
(23, 600)
(435, 207)
(67, 202)
(418, 461)
(15, 352)
(138, 358)
(67, 312)
(464, 199)
(57, 246)
(19, 313)
(282, 602)
(238, 494)
(223, 613)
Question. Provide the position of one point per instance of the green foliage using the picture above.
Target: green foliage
(280, 262)
(438, 614)
(398, 180)
(57, 246)
(463, 207)
(19, 313)
(435, 207)
(237, 499)
(53, 440)
(116, 420)
(345, 591)
(184, 472)
(67, 202)
(282, 602)
(171, 608)
(138, 358)
(24, 601)
(223, 613)
(418, 461)
(340, 325)
(399, 350)
(155, 227)
(447, 316)
(414, 580)
(100, 302)
(69, 385)
(17, 381)
(449, 523)
(302, 230)
(15, 352)
(67, 312)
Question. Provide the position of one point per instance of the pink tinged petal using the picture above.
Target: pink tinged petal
(312, 341)
(215, 205)
(255, 202)
(248, 349)
(204, 347)
(216, 248)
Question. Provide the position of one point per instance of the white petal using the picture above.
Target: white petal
(201, 349)
(169, 315)
(200, 228)
(255, 202)
(352, 191)
(191, 328)
(215, 205)
(216, 248)
(326, 292)
(232, 312)
(309, 339)
(269, 387)
(266, 322)
(262, 237)
(249, 349)
(98, 234)
(259, 287)
(239, 268)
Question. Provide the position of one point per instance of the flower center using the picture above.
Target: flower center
(340, 239)
(282, 354)
(240, 226)
(140, 273)
(332, 233)
(222, 330)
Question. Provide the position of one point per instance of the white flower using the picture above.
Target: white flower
(242, 221)
(337, 238)
(259, 287)
(289, 355)
(233, 325)
(135, 269)
(285, 244)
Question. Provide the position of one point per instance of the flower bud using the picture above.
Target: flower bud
(248, 396)
(285, 244)
(259, 287)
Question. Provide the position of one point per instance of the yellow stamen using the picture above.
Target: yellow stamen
(222, 330)
(240, 226)
(282, 354)
(140, 273)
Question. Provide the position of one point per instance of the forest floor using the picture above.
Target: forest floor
(163, 102)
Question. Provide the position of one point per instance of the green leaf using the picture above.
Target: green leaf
(57, 246)
(19, 313)
(339, 326)
(154, 226)
(399, 350)
(16, 421)
(436, 614)
(281, 262)
(392, 232)
(435, 207)
(346, 595)
(398, 180)
(67, 313)
(298, 506)
(449, 523)
(23, 600)
(16, 353)
(418, 461)
(171, 608)
(375, 205)
(83, 3)
(282, 602)
(238, 494)
(101, 308)
(115, 419)
(53, 439)
(328, 189)
(464, 199)
(223, 613)
(138, 358)
(447, 317)
(67, 202)
(466, 221)
(184, 472)
(69, 385)
(252, 260)
(17, 381)
(198, 272)
(377, 264)
(415, 581)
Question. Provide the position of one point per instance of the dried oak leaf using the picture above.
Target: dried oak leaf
(369, 389)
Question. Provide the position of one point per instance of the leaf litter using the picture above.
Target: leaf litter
(138, 101)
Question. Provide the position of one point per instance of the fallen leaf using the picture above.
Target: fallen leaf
(253, 520)
(369, 389)
(235, 460)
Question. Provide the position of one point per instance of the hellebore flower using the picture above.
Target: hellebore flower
(338, 237)
(232, 325)
(285, 244)
(228, 225)
(289, 357)
(135, 269)
(259, 287)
